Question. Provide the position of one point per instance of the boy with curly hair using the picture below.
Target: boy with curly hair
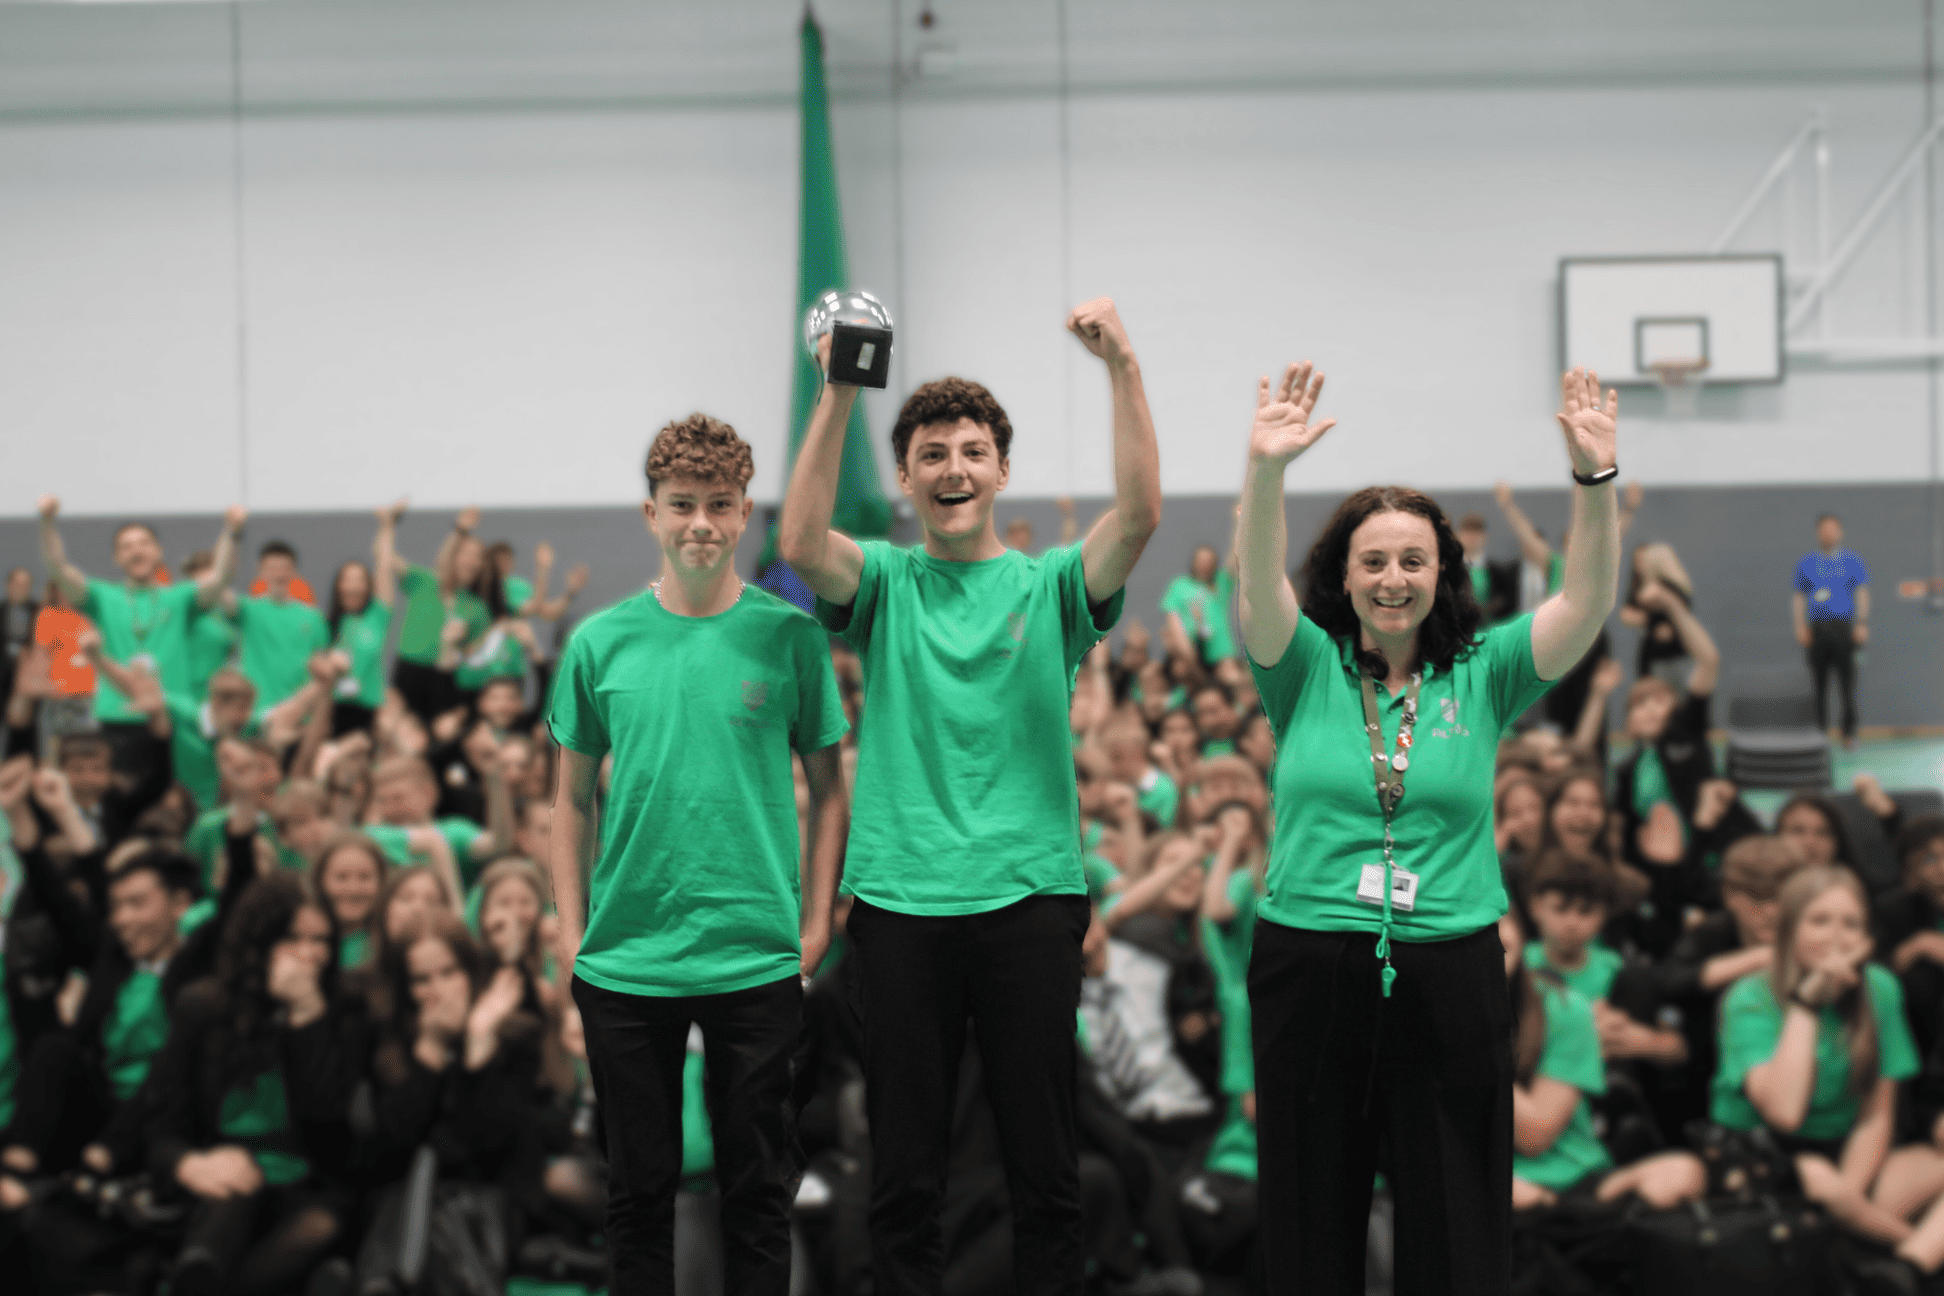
(964, 856)
(700, 688)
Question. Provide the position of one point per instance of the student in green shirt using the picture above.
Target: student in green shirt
(404, 795)
(279, 631)
(349, 874)
(359, 620)
(964, 854)
(1125, 743)
(697, 909)
(1814, 1049)
(1376, 979)
(212, 639)
(1213, 706)
(1557, 1070)
(419, 674)
(141, 618)
(1200, 601)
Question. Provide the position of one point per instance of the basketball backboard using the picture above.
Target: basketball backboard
(1635, 319)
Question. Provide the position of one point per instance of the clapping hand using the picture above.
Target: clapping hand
(1587, 421)
(1282, 421)
(501, 998)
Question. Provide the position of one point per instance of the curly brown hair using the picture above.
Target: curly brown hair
(703, 448)
(947, 401)
(1450, 632)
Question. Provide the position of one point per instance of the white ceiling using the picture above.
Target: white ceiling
(350, 55)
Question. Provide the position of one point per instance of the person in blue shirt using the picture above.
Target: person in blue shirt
(1832, 618)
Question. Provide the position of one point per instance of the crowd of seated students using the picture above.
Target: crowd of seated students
(275, 963)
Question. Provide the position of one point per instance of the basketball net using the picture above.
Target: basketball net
(1680, 384)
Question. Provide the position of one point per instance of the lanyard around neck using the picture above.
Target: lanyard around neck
(1389, 772)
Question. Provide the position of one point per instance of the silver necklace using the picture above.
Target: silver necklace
(740, 587)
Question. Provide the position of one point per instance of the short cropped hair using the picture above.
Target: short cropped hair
(133, 526)
(701, 447)
(1472, 522)
(1573, 876)
(277, 549)
(948, 400)
(174, 870)
(230, 677)
(1758, 865)
(413, 767)
(92, 746)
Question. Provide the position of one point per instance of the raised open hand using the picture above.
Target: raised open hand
(1587, 421)
(49, 507)
(1282, 422)
(234, 517)
(543, 554)
(1098, 326)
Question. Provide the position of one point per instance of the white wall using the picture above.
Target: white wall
(482, 261)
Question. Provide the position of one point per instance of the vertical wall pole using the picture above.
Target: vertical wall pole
(240, 263)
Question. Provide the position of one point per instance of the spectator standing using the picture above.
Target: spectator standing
(1831, 606)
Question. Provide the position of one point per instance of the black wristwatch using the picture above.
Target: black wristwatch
(1595, 478)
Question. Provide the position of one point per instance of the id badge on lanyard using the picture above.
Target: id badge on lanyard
(1388, 771)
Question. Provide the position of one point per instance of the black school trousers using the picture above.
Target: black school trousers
(1418, 1085)
(636, 1047)
(1832, 650)
(1014, 974)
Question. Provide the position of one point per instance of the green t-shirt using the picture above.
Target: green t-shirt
(256, 1113)
(1204, 612)
(460, 834)
(278, 640)
(212, 640)
(1595, 977)
(1226, 946)
(696, 887)
(9, 1064)
(1751, 1027)
(966, 798)
(1233, 1151)
(1159, 797)
(499, 655)
(205, 842)
(424, 617)
(354, 947)
(1571, 1056)
(1651, 787)
(361, 637)
(137, 622)
(134, 1032)
(192, 746)
(1328, 824)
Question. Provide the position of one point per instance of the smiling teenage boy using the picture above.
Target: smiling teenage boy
(964, 853)
(700, 688)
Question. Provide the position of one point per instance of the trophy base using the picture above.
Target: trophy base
(860, 356)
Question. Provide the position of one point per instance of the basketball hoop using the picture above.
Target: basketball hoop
(1680, 383)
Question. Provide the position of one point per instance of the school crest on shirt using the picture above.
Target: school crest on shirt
(755, 693)
(1448, 708)
(1448, 712)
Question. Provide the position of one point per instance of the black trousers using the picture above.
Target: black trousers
(428, 691)
(1015, 973)
(636, 1045)
(1424, 1078)
(1832, 647)
(65, 1101)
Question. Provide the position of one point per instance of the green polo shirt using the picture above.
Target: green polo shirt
(1751, 1027)
(1328, 824)
(278, 640)
(1571, 1056)
(460, 834)
(696, 888)
(1204, 611)
(424, 616)
(134, 1032)
(966, 800)
(1594, 978)
(361, 637)
(136, 621)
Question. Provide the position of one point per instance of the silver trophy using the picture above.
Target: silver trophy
(860, 337)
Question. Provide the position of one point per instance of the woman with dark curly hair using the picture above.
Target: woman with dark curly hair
(1377, 980)
(251, 1095)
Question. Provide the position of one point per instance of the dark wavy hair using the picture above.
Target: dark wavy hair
(948, 400)
(1832, 815)
(338, 610)
(1451, 629)
(263, 917)
(398, 1028)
